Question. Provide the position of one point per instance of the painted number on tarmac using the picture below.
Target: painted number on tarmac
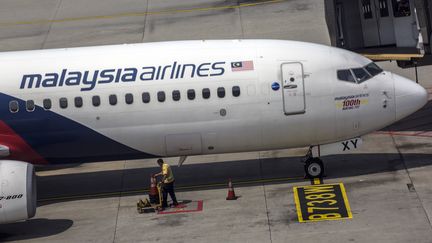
(321, 202)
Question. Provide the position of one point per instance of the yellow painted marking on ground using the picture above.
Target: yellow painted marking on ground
(345, 197)
(317, 181)
(321, 202)
(297, 203)
(108, 194)
(398, 57)
(138, 14)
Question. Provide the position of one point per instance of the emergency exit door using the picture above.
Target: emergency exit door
(294, 100)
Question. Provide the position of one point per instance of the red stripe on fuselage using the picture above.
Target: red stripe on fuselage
(18, 148)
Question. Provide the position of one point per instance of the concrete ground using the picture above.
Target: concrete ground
(96, 202)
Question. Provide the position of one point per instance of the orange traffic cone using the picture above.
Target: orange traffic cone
(153, 192)
(231, 193)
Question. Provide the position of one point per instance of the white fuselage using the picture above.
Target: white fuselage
(310, 107)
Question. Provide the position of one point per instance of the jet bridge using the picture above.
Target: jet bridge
(383, 29)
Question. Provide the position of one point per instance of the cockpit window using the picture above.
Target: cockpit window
(345, 75)
(361, 74)
(373, 69)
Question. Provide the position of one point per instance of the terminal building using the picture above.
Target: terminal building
(399, 30)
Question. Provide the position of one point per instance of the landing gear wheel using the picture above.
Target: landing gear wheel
(314, 168)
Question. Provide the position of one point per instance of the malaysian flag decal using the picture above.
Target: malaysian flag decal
(242, 66)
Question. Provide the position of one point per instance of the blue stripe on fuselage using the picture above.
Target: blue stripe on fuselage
(61, 140)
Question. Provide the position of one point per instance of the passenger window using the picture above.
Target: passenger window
(78, 102)
(47, 104)
(236, 91)
(145, 97)
(361, 75)
(13, 106)
(345, 75)
(221, 92)
(373, 69)
(96, 100)
(30, 105)
(401, 8)
(63, 103)
(161, 96)
(206, 93)
(112, 99)
(176, 95)
(129, 98)
(191, 94)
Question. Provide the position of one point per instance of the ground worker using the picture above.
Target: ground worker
(167, 183)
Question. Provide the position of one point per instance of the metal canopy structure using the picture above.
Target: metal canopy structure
(382, 30)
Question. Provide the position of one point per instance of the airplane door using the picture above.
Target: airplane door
(294, 101)
(183, 144)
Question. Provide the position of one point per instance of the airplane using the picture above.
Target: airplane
(185, 98)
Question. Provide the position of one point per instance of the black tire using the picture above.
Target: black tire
(314, 168)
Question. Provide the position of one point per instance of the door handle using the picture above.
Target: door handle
(290, 86)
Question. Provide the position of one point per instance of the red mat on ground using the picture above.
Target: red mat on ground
(184, 207)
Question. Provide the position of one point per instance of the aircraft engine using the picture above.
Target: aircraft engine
(17, 191)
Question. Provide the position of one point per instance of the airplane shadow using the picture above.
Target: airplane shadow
(33, 229)
(52, 189)
(56, 167)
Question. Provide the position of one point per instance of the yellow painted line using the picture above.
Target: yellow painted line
(397, 57)
(297, 203)
(345, 197)
(138, 14)
(317, 181)
(118, 193)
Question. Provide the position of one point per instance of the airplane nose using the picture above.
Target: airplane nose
(409, 96)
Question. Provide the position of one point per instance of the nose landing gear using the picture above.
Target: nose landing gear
(313, 166)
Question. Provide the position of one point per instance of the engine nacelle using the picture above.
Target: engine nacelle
(17, 191)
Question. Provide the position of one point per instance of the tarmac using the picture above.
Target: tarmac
(388, 182)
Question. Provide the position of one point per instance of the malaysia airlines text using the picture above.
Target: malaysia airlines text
(89, 79)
